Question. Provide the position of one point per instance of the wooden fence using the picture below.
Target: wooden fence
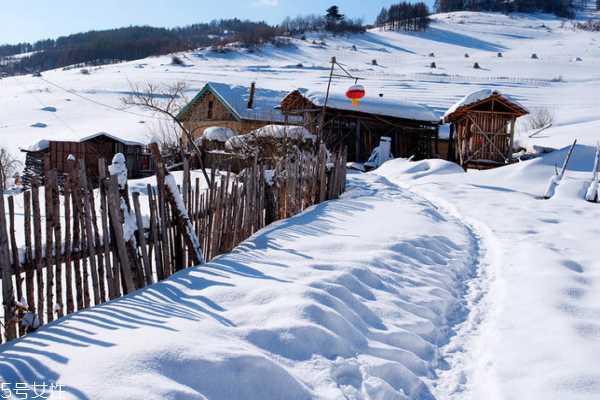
(93, 245)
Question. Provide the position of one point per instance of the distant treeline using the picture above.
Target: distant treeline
(137, 42)
(561, 8)
(124, 44)
(404, 16)
(332, 21)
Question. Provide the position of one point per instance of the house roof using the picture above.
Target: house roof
(235, 98)
(480, 96)
(372, 105)
(43, 144)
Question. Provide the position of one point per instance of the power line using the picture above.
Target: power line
(44, 105)
(74, 93)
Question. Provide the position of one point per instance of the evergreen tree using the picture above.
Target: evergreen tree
(333, 18)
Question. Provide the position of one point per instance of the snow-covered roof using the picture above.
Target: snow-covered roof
(373, 105)
(480, 95)
(217, 134)
(275, 131)
(281, 131)
(235, 97)
(43, 144)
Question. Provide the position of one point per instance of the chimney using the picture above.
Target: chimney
(252, 93)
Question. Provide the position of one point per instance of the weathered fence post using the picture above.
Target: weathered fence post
(8, 299)
(114, 208)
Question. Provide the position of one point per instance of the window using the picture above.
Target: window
(209, 114)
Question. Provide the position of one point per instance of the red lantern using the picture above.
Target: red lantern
(355, 93)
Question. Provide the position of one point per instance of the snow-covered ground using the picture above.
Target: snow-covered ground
(422, 282)
(65, 104)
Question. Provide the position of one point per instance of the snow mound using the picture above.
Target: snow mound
(403, 169)
(217, 134)
(40, 145)
(297, 133)
(284, 131)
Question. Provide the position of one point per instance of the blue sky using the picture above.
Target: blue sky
(32, 20)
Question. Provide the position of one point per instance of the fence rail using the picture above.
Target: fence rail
(91, 246)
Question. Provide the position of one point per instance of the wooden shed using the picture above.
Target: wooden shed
(240, 108)
(90, 149)
(482, 129)
(412, 127)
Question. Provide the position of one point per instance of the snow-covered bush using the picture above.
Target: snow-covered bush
(9, 165)
(271, 143)
(538, 118)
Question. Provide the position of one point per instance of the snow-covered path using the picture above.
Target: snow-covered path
(350, 300)
(533, 327)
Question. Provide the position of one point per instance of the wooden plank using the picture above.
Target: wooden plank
(68, 251)
(322, 174)
(14, 249)
(98, 246)
(29, 268)
(154, 228)
(89, 233)
(113, 289)
(77, 246)
(85, 254)
(114, 208)
(58, 308)
(48, 209)
(37, 232)
(8, 299)
(142, 239)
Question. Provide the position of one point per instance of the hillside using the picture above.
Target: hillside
(422, 282)
(555, 80)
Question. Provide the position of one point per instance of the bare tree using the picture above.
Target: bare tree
(9, 165)
(168, 101)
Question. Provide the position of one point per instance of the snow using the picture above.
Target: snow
(43, 144)
(359, 314)
(284, 131)
(217, 134)
(270, 131)
(118, 167)
(237, 96)
(373, 104)
(424, 281)
(476, 97)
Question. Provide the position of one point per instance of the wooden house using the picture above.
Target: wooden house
(482, 129)
(412, 127)
(240, 108)
(90, 149)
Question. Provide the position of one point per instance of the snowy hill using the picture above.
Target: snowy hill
(84, 104)
(422, 282)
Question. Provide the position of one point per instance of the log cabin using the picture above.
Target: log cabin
(90, 149)
(482, 129)
(240, 108)
(412, 127)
